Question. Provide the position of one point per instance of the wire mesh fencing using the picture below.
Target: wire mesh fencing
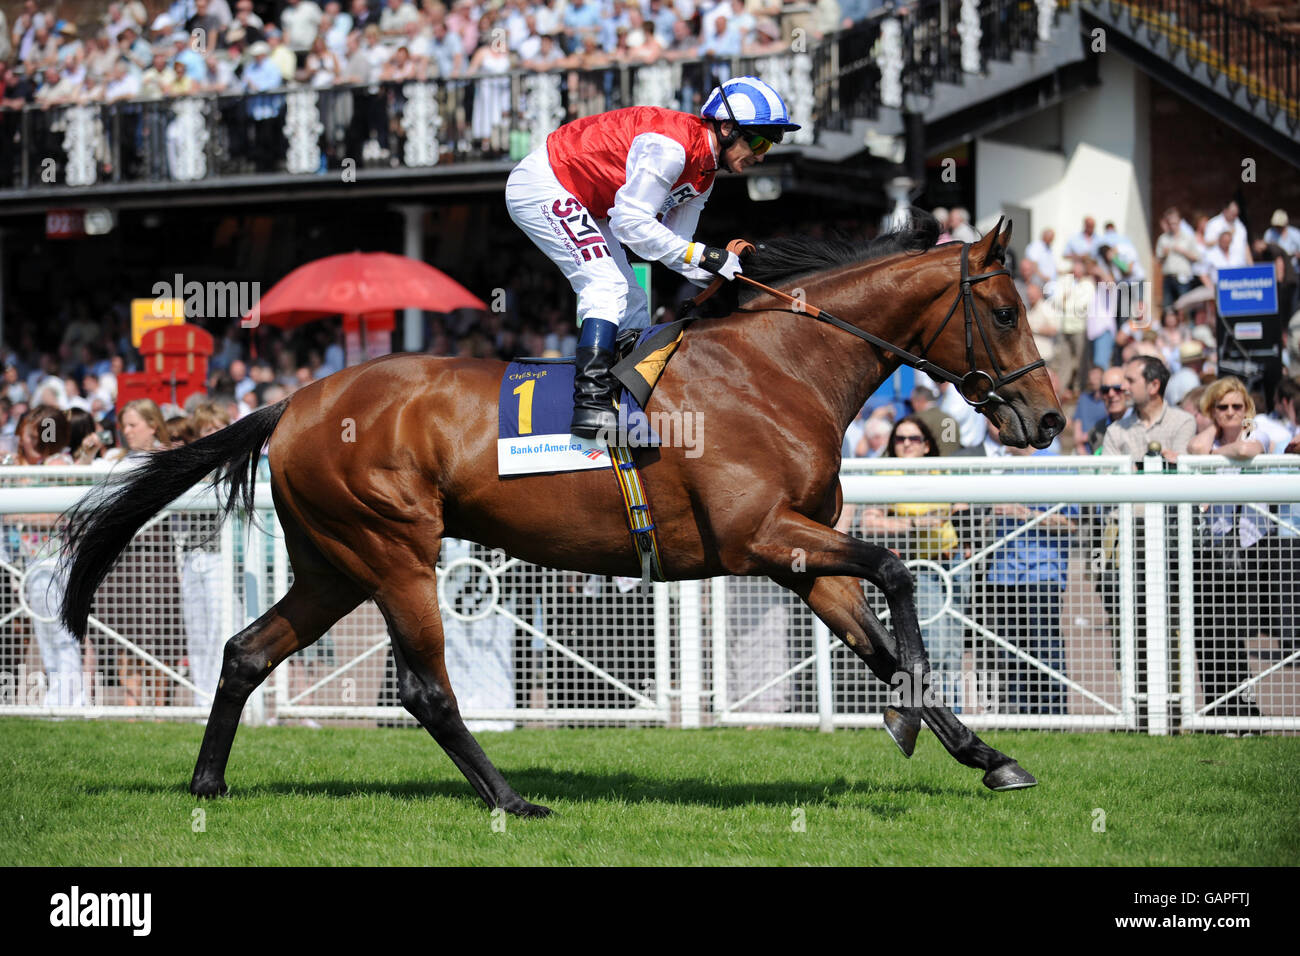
(1140, 606)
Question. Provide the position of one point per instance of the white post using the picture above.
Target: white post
(412, 248)
(718, 630)
(255, 566)
(663, 650)
(279, 585)
(1127, 581)
(690, 597)
(1157, 629)
(1186, 617)
(825, 689)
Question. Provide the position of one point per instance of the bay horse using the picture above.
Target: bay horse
(372, 466)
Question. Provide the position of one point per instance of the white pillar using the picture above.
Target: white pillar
(899, 190)
(690, 597)
(412, 248)
(663, 648)
(825, 687)
(718, 700)
(1157, 630)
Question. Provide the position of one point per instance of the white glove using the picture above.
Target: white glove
(720, 262)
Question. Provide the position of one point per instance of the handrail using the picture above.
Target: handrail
(1238, 44)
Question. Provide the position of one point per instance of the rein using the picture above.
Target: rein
(977, 387)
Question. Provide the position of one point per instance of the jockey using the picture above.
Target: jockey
(638, 177)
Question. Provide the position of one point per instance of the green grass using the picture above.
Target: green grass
(102, 793)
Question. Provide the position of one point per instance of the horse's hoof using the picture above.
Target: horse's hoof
(526, 809)
(1009, 776)
(208, 787)
(903, 726)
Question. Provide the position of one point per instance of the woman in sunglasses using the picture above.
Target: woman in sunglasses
(636, 177)
(1229, 407)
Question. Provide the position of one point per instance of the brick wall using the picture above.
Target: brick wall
(1196, 165)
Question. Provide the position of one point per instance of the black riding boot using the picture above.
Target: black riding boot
(594, 385)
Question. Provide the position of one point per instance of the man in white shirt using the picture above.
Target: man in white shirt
(959, 226)
(1083, 243)
(1040, 252)
(299, 22)
(1178, 255)
(397, 14)
(123, 83)
(1191, 358)
(1230, 220)
(1221, 256)
(1280, 425)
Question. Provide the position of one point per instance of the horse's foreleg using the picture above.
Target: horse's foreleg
(415, 625)
(840, 603)
(312, 605)
(790, 540)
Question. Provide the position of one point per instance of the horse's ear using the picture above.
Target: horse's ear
(1004, 240)
(989, 248)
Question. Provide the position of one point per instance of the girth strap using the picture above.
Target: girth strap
(637, 506)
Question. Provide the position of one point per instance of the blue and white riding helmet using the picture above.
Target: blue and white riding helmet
(752, 102)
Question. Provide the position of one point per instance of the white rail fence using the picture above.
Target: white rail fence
(1053, 592)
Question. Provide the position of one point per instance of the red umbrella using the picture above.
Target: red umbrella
(357, 283)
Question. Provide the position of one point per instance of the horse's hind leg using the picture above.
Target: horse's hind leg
(840, 603)
(410, 604)
(318, 598)
(830, 553)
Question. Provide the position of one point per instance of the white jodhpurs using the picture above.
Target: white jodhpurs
(575, 240)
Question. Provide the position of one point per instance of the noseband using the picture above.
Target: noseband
(977, 387)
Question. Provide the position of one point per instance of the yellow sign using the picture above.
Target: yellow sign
(150, 314)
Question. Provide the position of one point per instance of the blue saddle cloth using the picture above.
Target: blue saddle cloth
(548, 405)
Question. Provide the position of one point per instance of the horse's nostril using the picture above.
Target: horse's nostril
(1053, 423)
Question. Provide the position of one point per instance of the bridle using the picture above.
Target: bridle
(977, 387)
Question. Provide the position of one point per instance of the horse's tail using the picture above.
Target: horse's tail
(102, 525)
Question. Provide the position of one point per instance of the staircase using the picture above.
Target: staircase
(1238, 60)
(961, 80)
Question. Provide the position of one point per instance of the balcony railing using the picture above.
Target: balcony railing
(411, 125)
(1251, 49)
(416, 125)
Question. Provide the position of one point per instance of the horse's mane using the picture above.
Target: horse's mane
(786, 257)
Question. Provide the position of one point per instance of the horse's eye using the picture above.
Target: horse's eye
(1005, 317)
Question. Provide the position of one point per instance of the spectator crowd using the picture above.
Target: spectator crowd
(248, 53)
(196, 46)
(1138, 369)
